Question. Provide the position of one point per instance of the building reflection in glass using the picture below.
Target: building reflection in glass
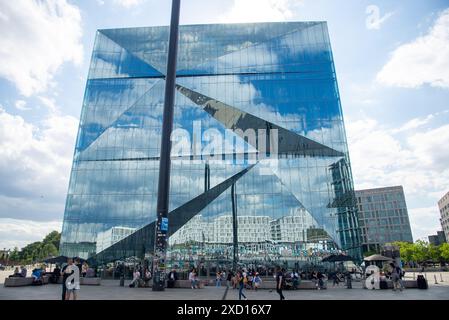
(291, 208)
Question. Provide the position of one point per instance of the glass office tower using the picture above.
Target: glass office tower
(284, 194)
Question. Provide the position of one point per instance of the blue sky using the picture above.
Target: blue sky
(392, 61)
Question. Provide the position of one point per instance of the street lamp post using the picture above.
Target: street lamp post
(160, 243)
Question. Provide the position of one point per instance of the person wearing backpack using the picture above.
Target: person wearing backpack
(395, 276)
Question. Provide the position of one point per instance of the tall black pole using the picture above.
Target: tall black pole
(235, 254)
(160, 245)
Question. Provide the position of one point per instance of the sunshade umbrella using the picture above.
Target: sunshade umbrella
(377, 257)
(54, 260)
(338, 258)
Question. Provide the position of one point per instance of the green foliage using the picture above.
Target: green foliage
(444, 252)
(421, 251)
(37, 251)
(53, 238)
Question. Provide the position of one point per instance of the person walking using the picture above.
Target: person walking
(241, 281)
(396, 277)
(280, 280)
(229, 279)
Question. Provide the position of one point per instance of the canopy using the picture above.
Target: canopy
(337, 258)
(377, 257)
(61, 259)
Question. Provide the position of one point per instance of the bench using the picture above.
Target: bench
(18, 281)
(22, 281)
(303, 285)
(408, 284)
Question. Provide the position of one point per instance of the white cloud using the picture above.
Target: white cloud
(35, 162)
(260, 11)
(38, 37)
(382, 156)
(422, 61)
(49, 103)
(21, 105)
(19, 233)
(128, 3)
(415, 123)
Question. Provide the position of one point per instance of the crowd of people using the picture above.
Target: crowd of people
(241, 280)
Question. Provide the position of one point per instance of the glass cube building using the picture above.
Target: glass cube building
(284, 194)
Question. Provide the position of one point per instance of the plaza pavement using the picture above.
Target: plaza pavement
(110, 290)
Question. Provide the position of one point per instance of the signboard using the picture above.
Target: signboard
(164, 224)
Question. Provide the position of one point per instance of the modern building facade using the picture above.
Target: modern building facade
(443, 205)
(260, 165)
(437, 239)
(383, 217)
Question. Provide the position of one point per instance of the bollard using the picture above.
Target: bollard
(441, 278)
(414, 275)
(435, 276)
(122, 281)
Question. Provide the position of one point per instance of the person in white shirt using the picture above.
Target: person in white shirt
(192, 278)
(136, 277)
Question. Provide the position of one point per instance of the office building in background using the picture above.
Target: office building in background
(383, 217)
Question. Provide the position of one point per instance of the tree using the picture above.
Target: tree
(38, 250)
(434, 253)
(420, 251)
(444, 252)
(53, 238)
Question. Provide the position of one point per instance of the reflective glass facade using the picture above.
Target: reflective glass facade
(294, 206)
(383, 217)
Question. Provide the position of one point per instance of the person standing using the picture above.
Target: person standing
(320, 278)
(192, 279)
(280, 279)
(218, 279)
(79, 265)
(65, 274)
(257, 281)
(71, 282)
(336, 279)
(241, 281)
(84, 269)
